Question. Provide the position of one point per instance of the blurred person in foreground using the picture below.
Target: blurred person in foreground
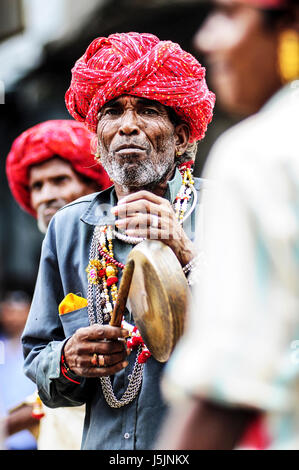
(14, 385)
(234, 378)
(49, 166)
(149, 104)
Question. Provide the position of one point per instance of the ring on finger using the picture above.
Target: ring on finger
(155, 221)
(94, 360)
(101, 360)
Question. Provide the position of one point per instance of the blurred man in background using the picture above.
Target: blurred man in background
(49, 166)
(243, 379)
(15, 386)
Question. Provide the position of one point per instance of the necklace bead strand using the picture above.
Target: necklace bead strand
(102, 275)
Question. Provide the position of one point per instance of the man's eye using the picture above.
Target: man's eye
(61, 179)
(36, 186)
(111, 112)
(150, 111)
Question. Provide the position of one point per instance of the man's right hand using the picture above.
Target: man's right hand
(96, 351)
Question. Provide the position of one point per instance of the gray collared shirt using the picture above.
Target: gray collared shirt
(64, 258)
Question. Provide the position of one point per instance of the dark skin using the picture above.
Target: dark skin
(97, 339)
(20, 419)
(53, 184)
(133, 133)
(147, 123)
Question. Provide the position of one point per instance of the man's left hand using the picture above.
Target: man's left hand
(144, 214)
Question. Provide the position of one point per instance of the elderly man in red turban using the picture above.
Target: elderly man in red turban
(50, 165)
(148, 103)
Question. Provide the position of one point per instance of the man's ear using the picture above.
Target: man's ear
(182, 136)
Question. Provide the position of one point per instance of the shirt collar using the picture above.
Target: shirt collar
(99, 210)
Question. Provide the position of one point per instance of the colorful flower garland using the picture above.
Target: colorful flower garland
(105, 271)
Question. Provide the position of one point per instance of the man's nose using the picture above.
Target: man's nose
(129, 123)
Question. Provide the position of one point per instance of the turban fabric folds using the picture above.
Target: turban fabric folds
(67, 139)
(140, 65)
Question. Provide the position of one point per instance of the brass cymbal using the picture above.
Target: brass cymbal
(154, 284)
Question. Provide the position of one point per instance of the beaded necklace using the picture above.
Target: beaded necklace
(102, 274)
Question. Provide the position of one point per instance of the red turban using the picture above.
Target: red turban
(140, 65)
(66, 138)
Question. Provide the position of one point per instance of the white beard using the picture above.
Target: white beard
(137, 175)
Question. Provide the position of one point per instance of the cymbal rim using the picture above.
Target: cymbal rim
(168, 293)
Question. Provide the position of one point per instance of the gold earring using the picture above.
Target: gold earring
(288, 55)
(178, 153)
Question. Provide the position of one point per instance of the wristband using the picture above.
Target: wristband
(65, 370)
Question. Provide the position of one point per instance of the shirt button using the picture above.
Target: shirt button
(126, 435)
